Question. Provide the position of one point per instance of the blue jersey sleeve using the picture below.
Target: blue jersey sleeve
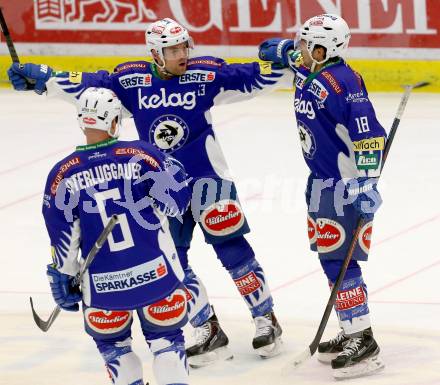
(237, 82)
(70, 85)
(60, 212)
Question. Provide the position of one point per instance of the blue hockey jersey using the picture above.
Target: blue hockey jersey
(174, 114)
(138, 264)
(338, 129)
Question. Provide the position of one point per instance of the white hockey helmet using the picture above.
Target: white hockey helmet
(166, 33)
(98, 108)
(329, 31)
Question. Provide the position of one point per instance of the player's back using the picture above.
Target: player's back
(95, 182)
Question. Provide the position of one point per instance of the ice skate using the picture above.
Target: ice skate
(360, 357)
(211, 344)
(328, 350)
(267, 340)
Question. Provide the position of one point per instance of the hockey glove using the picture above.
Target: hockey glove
(65, 289)
(276, 51)
(367, 198)
(20, 76)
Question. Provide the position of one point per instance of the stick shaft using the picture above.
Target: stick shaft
(45, 325)
(8, 38)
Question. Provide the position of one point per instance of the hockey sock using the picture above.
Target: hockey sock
(351, 304)
(169, 363)
(199, 309)
(123, 365)
(251, 283)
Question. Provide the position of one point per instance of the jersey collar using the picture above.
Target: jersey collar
(312, 76)
(104, 143)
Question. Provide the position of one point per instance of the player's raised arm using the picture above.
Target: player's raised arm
(242, 81)
(68, 85)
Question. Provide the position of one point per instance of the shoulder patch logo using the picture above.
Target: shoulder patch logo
(332, 81)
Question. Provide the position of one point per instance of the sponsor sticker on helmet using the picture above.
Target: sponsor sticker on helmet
(107, 322)
(331, 235)
(168, 311)
(90, 121)
(365, 237)
(157, 29)
(222, 218)
(176, 30)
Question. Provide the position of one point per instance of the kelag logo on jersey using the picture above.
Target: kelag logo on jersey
(186, 100)
(135, 80)
(168, 133)
(197, 76)
(304, 107)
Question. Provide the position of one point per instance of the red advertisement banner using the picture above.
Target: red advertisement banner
(374, 23)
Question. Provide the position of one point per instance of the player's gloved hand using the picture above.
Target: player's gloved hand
(367, 198)
(276, 51)
(23, 76)
(65, 289)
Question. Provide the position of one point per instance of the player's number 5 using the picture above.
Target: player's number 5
(127, 240)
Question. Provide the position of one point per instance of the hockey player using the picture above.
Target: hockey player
(137, 269)
(170, 101)
(342, 143)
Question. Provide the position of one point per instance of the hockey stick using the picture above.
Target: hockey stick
(308, 353)
(8, 38)
(45, 325)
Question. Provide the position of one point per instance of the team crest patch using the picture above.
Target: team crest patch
(168, 311)
(168, 133)
(107, 322)
(311, 230)
(365, 237)
(307, 140)
(222, 218)
(331, 235)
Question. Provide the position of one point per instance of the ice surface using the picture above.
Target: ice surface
(260, 143)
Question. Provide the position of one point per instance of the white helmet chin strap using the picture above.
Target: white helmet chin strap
(316, 62)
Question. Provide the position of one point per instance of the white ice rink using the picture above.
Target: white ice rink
(260, 142)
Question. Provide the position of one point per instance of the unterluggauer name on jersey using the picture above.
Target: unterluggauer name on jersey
(102, 173)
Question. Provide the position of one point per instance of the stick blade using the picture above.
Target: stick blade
(43, 325)
(295, 362)
(301, 358)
